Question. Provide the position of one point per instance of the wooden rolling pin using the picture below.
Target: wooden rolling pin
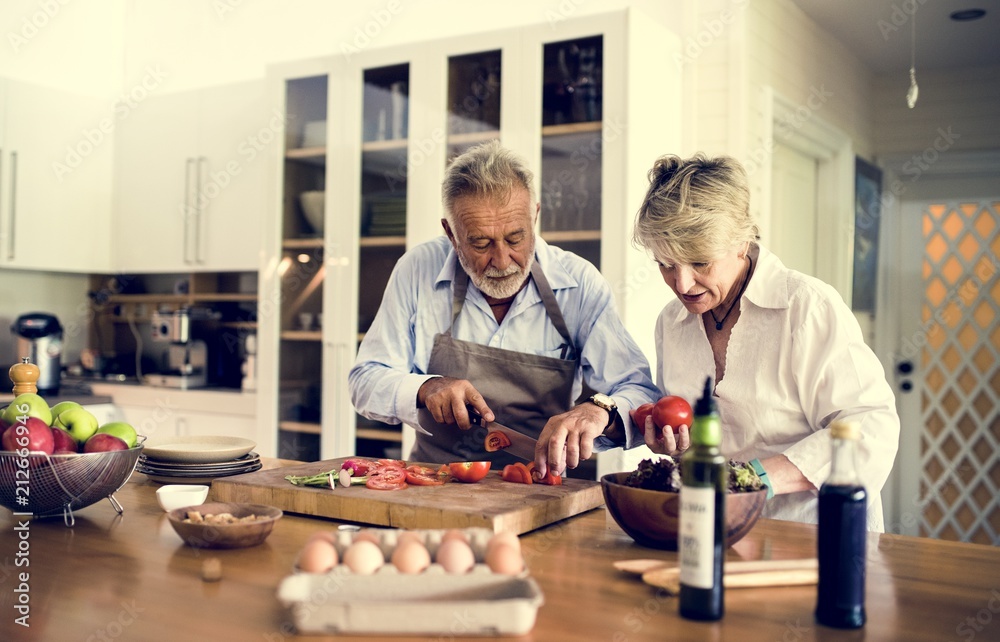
(798, 572)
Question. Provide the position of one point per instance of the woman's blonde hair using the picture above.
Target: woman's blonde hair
(487, 170)
(696, 209)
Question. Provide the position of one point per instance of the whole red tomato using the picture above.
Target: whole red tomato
(672, 411)
(469, 471)
(639, 415)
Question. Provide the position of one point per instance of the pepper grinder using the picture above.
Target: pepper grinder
(24, 376)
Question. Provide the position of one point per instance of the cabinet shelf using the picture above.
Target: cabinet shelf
(384, 145)
(302, 335)
(307, 427)
(310, 155)
(206, 297)
(383, 241)
(470, 138)
(302, 244)
(571, 128)
(379, 434)
(563, 236)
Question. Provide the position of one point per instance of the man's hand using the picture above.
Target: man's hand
(446, 399)
(568, 439)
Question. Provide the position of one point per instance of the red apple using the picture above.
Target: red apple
(63, 442)
(103, 442)
(34, 434)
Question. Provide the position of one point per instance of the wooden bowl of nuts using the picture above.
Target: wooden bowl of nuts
(224, 525)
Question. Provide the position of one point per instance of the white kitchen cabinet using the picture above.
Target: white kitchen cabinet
(56, 152)
(190, 178)
(590, 159)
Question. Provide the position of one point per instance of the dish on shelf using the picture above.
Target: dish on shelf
(313, 205)
(314, 134)
(198, 448)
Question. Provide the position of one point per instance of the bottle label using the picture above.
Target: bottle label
(696, 545)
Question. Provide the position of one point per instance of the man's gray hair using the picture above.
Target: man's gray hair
(487, 170)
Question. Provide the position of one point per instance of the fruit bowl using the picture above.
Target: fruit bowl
(652, 517)
(61, 484)
(238, 535)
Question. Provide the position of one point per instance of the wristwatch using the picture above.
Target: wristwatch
(606, 402)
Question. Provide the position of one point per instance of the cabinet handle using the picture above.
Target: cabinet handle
(13, 205)
(187, 209)
(199, 213)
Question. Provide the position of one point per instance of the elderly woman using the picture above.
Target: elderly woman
(785, 352)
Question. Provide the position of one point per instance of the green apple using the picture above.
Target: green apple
(120, 429)
(28, 404)
(60, 407)
(78, 422)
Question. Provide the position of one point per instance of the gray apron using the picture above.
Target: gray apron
(523, 390)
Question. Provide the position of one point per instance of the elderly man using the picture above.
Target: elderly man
(493, 319)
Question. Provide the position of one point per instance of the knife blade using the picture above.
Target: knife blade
(521, 446)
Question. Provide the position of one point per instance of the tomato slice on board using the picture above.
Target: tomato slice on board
(423, 476)
(357, 465)
(387, 478)
(517, 473)
(495, 441)
(469, 471)
(549, 479)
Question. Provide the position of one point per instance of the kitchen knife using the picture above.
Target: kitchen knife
(521, 445)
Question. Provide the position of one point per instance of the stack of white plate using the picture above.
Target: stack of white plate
(197, 459)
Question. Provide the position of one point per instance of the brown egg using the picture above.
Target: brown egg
(455, 556)
(411, 557)
(317, 556)
(368, 536)
(510, 539)
(504, 559)
(454, 533)
(409, 536)
(329, 536)
(364, 557)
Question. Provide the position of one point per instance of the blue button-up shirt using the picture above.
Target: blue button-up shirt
(392, 360)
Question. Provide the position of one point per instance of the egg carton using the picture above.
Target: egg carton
(433, 602)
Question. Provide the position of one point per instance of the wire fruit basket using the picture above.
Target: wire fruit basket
(51, 485)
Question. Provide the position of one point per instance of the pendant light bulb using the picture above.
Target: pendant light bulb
(913, 92)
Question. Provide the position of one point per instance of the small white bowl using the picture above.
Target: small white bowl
(174, 496)
(313, 208)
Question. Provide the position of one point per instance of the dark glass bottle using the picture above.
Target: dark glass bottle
(843, 507)
(701, 543)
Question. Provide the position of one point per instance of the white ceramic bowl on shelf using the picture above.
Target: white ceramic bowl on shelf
(313, 207)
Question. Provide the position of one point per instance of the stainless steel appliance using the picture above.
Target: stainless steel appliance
(39, 337)
(186, 358)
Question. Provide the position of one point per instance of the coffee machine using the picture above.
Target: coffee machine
(40, 339)
(186, 358)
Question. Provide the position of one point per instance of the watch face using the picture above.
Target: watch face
(604, 401)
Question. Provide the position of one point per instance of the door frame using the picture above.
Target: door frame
(910, 181)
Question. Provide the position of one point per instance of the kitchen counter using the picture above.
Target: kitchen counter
(130, 577)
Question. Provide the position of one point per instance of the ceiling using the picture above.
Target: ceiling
(878, 31)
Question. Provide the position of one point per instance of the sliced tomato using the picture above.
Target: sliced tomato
(444, 473)
(469, 471)
(387, 478)
(495, 441)
(517, 473)
(392, 463)
(423, 476)
(549, 479)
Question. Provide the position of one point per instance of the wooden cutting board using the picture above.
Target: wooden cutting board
(490, 503)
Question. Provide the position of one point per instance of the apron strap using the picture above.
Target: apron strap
(552, 307)
(461, 288)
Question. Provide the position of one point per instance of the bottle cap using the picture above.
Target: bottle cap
(841, 429)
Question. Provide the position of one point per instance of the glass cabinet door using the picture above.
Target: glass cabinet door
(385, 131)
(301, 269)
(572, 96)
(473, 100)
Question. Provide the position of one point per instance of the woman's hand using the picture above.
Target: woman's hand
(663, 440)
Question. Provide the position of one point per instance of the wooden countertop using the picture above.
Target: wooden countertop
(129, 577)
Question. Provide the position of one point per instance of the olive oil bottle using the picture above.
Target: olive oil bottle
(701, 543)
(841, 545)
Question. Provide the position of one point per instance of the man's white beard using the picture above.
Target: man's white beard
(492, 286)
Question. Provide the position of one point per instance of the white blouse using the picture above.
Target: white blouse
(796, 361)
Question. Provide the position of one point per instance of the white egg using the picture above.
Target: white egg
(455, 556)
(364, 557)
